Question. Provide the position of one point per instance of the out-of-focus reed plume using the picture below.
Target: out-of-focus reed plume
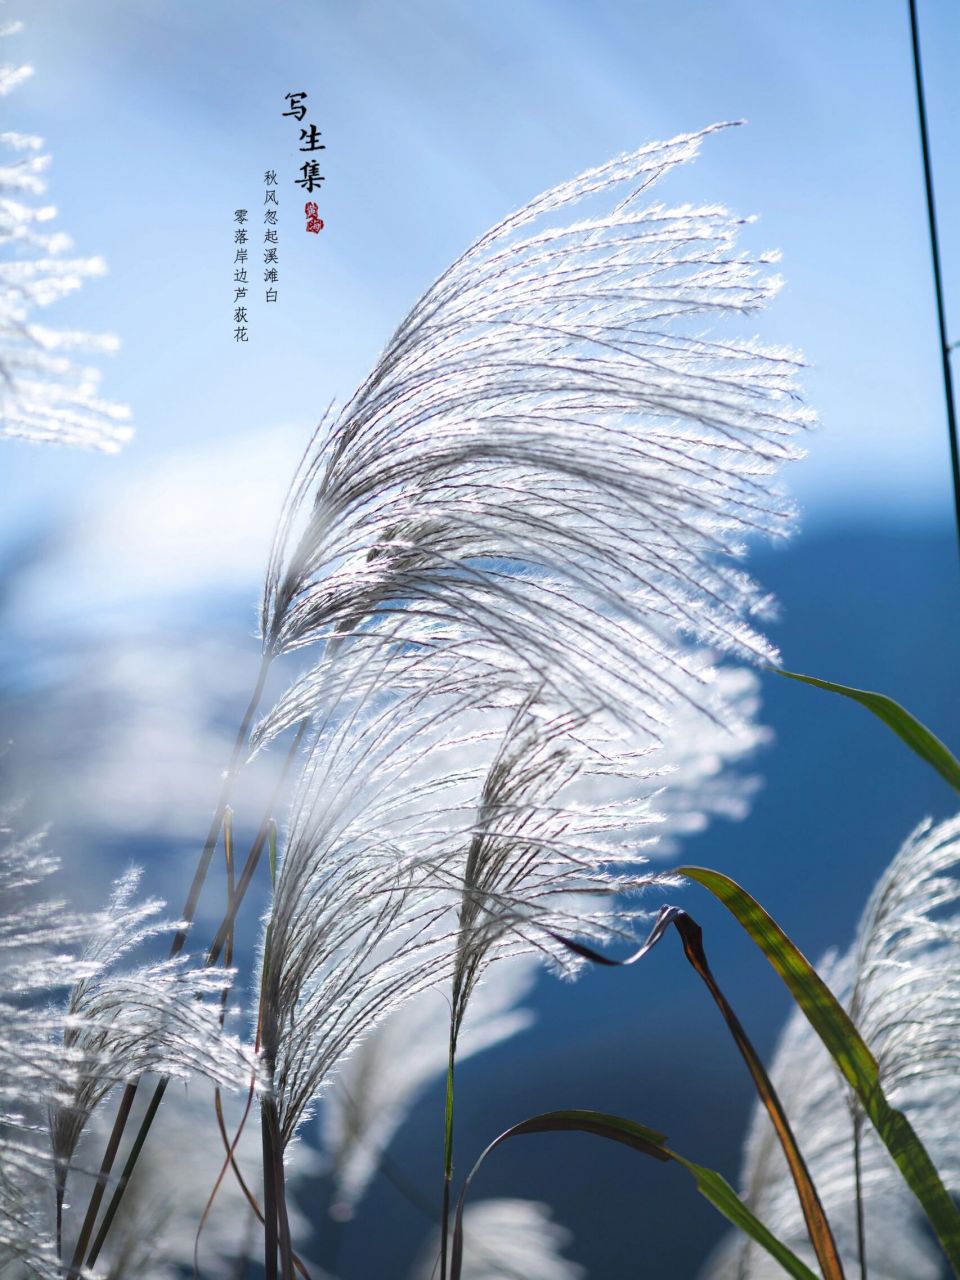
(507, 1240)
(44, 396)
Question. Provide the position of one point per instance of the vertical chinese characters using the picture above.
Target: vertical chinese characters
(310, 178)
(270, 236)
(240, 322)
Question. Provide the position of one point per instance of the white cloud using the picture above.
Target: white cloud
(197, 522)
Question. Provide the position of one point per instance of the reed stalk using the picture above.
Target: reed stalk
(947, 371)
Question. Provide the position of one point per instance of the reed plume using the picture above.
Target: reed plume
(121, 1023)
(550, 457)
(34, 930)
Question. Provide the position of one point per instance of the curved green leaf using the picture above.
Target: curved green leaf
(852, 1055)
(907, 727)
(614, 1128)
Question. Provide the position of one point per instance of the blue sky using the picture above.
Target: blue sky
(438, 118)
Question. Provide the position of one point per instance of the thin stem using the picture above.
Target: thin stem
(106, 1165)
(858, 1187)
(206, 854)
(256, 850)
(399, 1181)
(231, 889)
(132, 1158)
(935, 256)
(60, 1196)
(269, 1198)
(447, 1146)
(283, 1219)
(187, 915)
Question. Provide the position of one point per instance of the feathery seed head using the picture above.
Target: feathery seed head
(549, 447)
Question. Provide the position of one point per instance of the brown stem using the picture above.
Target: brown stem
(269, 1197)
(253, 857)
(60, 1195)
(448, 1139)
(106, 1165)
(283, 1220)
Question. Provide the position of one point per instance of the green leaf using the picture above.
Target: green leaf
(907, 727)
(859, 1067)
(650, 1143)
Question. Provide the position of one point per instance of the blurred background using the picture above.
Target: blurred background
(129, 584)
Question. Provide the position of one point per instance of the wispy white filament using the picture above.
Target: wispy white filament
(356, 920)
(900, 981)
(504, 544)
(436, 831)
(33, 932)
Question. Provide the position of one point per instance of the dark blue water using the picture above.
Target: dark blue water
(876, 609)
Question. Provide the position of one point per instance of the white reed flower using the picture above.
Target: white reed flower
(44, 396)
(375, 1088)
(900, 981)
(118, 1025)
(540, 863)
(507, 1240)
(371, 880)
(31, 1067)
(551, 457)
(59, 1061)
(354, 925)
